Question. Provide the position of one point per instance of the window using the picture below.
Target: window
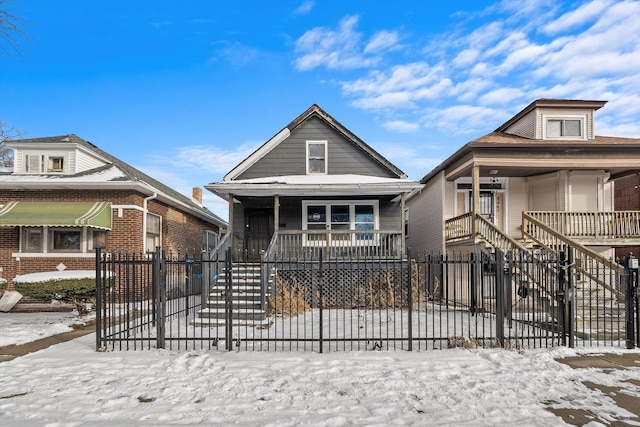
(32, 240)
(316, 157)
(152, 237)
(65, 239)
(564, 128)
(55, 164)
(33, 163)
(338, 216)
(406, 222)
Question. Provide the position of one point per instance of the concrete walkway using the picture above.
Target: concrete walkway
(626, 394)
(13, 351)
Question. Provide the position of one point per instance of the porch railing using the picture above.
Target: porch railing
(336, 244)
(593, 266)
(591, 225)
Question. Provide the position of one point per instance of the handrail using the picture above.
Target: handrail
(221, 247)
(497, 238)
(542, 234)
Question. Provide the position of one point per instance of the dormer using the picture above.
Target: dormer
(554, 120)
(61, 155)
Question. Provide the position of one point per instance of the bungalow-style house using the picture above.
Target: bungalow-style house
(65, 197)
(540, 187)
(314, 185)
(543, 168)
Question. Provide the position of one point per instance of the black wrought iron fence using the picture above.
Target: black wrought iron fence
(416, 302)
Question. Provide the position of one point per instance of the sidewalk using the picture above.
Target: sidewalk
(626, 395)
(13, 351)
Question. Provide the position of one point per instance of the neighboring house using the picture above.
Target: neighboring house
(315, 185)
(65, 197)
(543, 171)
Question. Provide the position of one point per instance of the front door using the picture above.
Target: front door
(258, 231)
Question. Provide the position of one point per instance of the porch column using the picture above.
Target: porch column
(276, 212)
(230, 226)
(403, 248)
(475, 195)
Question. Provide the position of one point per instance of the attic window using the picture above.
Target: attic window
(55, 164)
(316, 157)
(572, 128)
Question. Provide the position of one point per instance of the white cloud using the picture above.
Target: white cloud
(338, 48)
(381, 41)
(577, 17)
(501, 96)
(305, 8)
(401, 126)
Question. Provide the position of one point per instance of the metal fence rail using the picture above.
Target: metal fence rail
(353, 303)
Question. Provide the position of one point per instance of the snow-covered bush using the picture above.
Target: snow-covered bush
(3, 284)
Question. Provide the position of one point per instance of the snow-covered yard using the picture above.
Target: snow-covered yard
(72, 384)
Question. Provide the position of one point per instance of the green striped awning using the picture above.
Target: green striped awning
(56, 214)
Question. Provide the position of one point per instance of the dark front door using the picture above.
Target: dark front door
(258, 231)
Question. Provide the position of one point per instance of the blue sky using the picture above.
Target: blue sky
(184, 90)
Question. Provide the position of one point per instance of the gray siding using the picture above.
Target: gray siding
(426, 218)
(525, 127)
(289, 157)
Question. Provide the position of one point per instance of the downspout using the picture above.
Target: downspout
(145, 210)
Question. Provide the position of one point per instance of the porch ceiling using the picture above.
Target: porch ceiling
(314, 185)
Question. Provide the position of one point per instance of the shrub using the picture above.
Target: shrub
(3, 284)
(68, 290)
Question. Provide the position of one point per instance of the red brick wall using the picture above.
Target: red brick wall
(180, 232)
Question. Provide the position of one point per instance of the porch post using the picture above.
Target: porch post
(230, 226)
(276, 212)
(403, 249)
(475, 194)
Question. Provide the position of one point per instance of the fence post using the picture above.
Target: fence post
(500, 300)
(321, 297)
(410, 297)
(631, 272)
(99, 285)
(475, 280)
(570, 303)
(158, 286)
(560, 297)
(228, 301)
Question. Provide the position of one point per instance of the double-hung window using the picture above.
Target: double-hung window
(152, 235)
(316, 157)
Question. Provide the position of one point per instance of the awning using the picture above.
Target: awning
(56, 214)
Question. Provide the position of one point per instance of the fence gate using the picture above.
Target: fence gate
(342, 304)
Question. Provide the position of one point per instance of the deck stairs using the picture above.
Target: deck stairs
(248, 305)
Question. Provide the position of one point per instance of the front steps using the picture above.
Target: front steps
(247, 308)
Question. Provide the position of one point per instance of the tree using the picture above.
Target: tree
(10, 32)
(7, 134)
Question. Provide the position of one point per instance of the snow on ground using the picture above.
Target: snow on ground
(20, 328)
(72, 384)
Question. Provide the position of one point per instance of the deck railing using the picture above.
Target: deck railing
(591, 225)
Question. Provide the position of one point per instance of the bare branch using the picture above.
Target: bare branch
(10, 32)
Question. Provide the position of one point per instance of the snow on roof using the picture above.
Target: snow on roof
(103, 175)
(54, 275)
(320, 179)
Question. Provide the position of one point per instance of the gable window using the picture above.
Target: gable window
(565, 128)
(55, 164)
(316, 157)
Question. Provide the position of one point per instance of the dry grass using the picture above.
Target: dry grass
(289, 297)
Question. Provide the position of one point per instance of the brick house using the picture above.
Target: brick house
(65, 197)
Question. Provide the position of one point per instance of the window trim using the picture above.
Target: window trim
(352, 220)
(308, 157)
(46, 243)
(562, 118)
(146, 231)
(50, 160)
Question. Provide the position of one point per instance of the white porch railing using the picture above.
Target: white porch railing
(336, 244)
(591, 225)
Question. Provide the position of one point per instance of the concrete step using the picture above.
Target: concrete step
(251, 323)
(235, 314)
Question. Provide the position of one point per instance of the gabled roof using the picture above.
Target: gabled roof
(116, 174)
(313, 111)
